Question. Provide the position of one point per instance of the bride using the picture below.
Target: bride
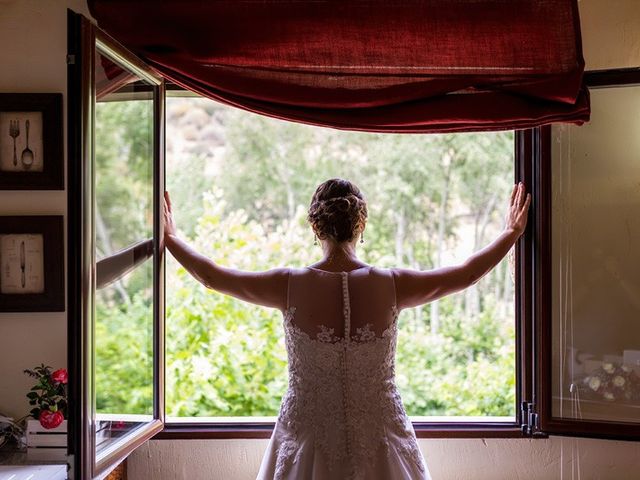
(342, 416)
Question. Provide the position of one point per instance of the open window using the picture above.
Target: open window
(587, 276)
(116, 161)
(432, 201)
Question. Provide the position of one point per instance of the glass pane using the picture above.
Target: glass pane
(432, 200)
(124, 271)
(595, 274)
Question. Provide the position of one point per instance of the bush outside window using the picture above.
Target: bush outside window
(241, 184)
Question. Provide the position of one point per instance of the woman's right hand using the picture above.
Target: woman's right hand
(518, 209)
(169, 223)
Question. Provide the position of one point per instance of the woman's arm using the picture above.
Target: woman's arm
(414, 287)
(262, 288)
(111, 268)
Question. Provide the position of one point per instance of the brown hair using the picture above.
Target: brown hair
(337, 211)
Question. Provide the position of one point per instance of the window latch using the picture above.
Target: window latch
(529, 418)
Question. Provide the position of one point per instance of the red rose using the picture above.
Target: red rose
(60, 376)
(49, 419)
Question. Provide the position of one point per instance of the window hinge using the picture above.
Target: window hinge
(530, 420)
(71, 59)
(70, 464)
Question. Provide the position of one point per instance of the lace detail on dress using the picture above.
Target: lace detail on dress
(364, 334)
(342, 391)
(326, 335)
(288, 453)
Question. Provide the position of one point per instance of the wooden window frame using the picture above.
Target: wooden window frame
(526, 152)
(543, 319)
(84, 39)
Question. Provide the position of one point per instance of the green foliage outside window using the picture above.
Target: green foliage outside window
(240, 185)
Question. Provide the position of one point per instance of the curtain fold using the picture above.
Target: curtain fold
(386, 66)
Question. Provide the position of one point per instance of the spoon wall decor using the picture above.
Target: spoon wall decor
(27, 154)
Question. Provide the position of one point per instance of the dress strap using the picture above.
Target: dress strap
(395, 289)
(346, 306)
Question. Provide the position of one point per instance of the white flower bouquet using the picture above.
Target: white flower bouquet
(611, 382)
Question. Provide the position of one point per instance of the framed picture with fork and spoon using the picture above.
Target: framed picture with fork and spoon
(31, 151)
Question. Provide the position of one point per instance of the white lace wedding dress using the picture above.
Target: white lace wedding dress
(342, 417)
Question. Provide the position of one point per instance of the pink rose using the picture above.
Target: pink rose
(49, 419)
(60, 376)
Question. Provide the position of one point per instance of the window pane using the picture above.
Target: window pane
(433, 199)
(124, 272)
(596, 280)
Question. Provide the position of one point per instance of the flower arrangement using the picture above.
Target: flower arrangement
(612, 382)
(48, 396)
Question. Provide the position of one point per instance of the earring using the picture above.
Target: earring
(362, 237)
(315, 240)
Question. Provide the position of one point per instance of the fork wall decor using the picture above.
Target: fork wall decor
(31, 150)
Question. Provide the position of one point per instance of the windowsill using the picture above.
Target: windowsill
(261, 427)
(271, 420)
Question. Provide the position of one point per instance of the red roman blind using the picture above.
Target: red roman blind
(386, 66)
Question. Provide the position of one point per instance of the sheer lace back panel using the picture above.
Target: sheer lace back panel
(341, 338)
(321, 300)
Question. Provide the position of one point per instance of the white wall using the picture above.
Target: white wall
(473, 459)
(33, 48)
(610, 33)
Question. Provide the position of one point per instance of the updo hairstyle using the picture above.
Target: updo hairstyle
(338, 211)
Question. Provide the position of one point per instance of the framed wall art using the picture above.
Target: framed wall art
(31, 149)
(31, 264)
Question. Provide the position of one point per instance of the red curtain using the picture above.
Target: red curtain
(387, 66)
